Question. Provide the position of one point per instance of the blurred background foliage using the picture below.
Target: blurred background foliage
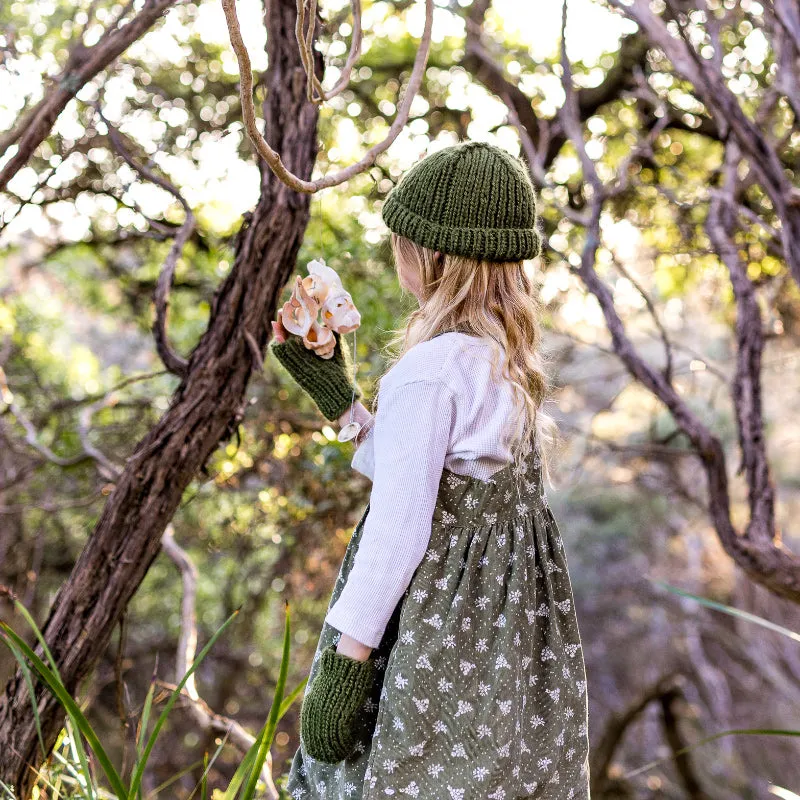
(83, 241)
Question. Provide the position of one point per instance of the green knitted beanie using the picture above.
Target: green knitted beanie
(471, 199)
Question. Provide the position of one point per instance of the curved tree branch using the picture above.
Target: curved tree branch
(759, 552)
(204, 410)
(263, 147)
(750, 348)
(715, 93)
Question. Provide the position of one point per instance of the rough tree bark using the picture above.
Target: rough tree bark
(204, 410)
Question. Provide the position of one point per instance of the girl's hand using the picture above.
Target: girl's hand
(331, 709)
(280, 333)
(360, 415)
(348, 646)
(327, 381)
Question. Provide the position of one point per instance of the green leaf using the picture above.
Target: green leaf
(74, 712)
(138, 773)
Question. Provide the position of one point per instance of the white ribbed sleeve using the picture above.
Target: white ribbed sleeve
(406, 453)
(364, 459)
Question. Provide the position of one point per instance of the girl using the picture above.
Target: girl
(449, 666)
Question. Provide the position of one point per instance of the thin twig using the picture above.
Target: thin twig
(187, 649)
(107, 468)
(305, 43)
(172, 361)
(662, 331)
(31, 434)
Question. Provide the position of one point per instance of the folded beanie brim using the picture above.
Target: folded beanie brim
(489, 244)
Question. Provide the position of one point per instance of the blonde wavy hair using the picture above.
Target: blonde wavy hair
(496, 301)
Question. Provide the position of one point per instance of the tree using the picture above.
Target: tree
(757, 549)
(204, 412)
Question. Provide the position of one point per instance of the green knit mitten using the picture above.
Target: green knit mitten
(332, 705)
(328, 381)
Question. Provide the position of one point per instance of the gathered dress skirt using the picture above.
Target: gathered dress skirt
(480, 689)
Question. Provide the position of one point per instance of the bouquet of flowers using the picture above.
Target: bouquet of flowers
(319, 305)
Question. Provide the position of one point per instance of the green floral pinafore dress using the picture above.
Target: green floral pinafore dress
(481, 686)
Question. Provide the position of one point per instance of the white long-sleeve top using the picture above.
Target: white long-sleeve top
(438, 406)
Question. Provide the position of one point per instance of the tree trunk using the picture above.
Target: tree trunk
(204, 410)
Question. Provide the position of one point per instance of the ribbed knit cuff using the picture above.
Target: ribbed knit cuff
(490, 244)
(332, 705)
(326, 381)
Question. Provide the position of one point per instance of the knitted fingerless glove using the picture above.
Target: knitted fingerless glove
(327, 381)
(331, 706)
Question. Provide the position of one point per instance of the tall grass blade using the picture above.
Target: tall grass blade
(248, 766)
(39, 635)
(243, 770)
(735, 612)
(138, 773)
(74, 712)
(80, 753)
(204, 780)
(290, 698)
(272, 720)
(203, 783)
(176, 777)
(247, 762)
(26, 676)
(77, 742)
(689, 748)
(144, 720)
